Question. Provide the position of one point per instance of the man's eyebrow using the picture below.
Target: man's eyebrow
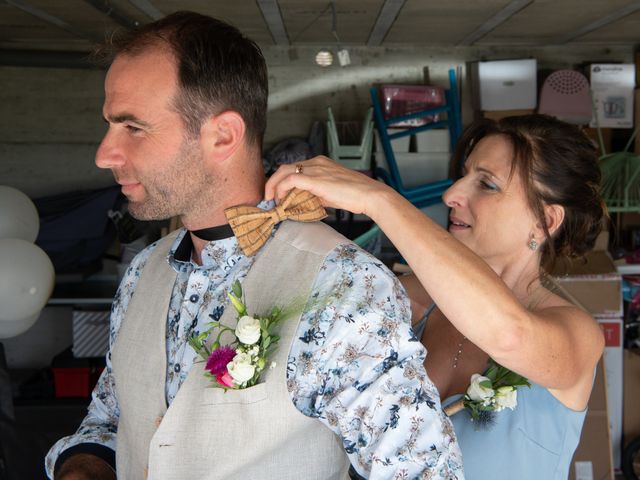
(125, 117)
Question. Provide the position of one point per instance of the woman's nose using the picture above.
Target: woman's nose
(454, 195)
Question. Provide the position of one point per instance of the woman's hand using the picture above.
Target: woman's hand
(335, 185)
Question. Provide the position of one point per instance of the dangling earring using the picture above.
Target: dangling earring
(533, 245)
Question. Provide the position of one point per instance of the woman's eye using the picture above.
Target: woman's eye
(487, 185)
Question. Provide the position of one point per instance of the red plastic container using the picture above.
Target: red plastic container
(71, 382)
(400, 100)
(74, 381)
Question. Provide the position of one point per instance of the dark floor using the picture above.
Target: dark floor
(26, 441)
(32, 422)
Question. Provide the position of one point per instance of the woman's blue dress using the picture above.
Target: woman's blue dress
(536, 441)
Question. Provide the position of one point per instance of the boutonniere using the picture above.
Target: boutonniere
(492, 392)
(239, 364)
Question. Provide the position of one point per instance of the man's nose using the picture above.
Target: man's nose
(110, 154)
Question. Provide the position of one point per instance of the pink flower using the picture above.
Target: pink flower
(225, 380)
(217, 362)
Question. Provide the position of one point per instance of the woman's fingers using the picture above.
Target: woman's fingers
(274, 186)
(289, 182)
(278, 176)
(335, 185)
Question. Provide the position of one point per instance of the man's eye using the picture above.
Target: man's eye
(133, 129)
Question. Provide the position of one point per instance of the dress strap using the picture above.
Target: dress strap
(421, 324)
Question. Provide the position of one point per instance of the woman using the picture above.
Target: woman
(529, 193)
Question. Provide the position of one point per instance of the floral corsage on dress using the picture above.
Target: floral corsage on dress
(487, 394)
(239, 364)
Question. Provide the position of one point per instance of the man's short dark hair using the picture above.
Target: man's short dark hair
(219, 68)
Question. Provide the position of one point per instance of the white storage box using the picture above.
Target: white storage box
(436, 140)
(399, 145)
(439, 213)
(419, 168)
(505, 84)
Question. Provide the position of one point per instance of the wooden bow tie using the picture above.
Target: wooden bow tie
(252, 226)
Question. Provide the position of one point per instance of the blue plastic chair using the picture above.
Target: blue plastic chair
(429, 193)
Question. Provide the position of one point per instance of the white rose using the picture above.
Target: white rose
(240, 368)
(248, 330)
(479, 392)
(506, 397)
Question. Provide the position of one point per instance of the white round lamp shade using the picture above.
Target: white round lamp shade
(26, 280)
(18, 215)
(13, 328)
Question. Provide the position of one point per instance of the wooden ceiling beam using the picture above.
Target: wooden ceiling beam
(386, 18)
(499, 18)
(148, 8)
(273, 18)
(42, 15)
(104, 7)
(601, 22)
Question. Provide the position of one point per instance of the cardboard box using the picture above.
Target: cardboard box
(600, 293)
(613, 331)
(500, 114)
(612, 86)
(594, 282)
(631, 407)
(596, 285)
(592, 459)
(504, 84)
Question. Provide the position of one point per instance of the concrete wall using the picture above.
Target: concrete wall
(50, 121)
(301, 91)
(50, 126)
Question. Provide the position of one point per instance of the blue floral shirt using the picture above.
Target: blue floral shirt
(356, 347)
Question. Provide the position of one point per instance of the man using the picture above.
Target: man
(185, 101)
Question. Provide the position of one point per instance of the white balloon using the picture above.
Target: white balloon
(13, 328)
(26, 279)
(18, 215)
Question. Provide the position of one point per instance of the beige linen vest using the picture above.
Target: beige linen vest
(207, 433)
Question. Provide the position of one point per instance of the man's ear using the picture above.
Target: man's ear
(554, 216)
(221, 135)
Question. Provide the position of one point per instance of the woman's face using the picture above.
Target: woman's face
(489, 212)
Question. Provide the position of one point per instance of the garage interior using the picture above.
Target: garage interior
(51, 125)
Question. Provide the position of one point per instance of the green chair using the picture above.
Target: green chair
(357, 157)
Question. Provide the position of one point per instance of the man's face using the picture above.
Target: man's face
(160, 169)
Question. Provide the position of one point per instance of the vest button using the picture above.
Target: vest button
(194, 298)
(176, 368)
